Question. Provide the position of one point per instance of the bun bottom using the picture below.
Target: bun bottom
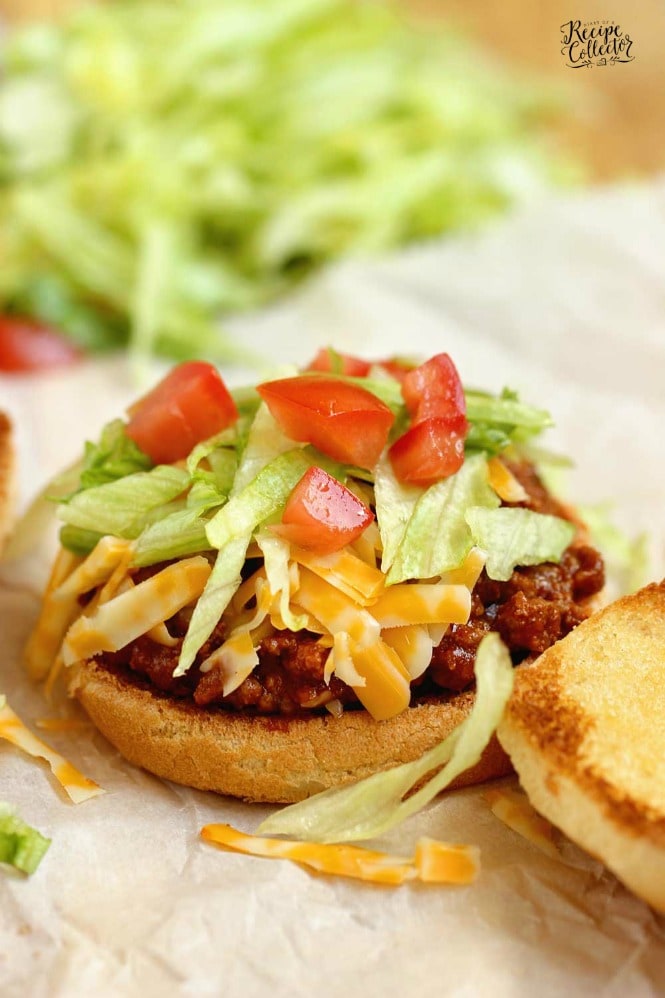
(269, 759)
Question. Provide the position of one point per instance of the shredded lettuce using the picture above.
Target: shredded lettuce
(276, 555)
(395, 504)
(113, 456)
(165, 164)
(21, 846)
(437, 537)
(371, 807)
(512, 537)
(498, 421)
(122, 506)
(220, 587)
(178, 535)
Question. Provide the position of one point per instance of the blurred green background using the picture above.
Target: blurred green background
(164, 164)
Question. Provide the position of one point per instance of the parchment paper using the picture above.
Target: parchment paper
(565, 302)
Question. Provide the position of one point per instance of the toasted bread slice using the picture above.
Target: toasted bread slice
(585, 730)
(6, 477)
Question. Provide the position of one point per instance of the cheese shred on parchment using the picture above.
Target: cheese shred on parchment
(77, 786)
(433, 862)
(515, 811)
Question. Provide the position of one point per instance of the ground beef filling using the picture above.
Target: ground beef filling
(533, 609)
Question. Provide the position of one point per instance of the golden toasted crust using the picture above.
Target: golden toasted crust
(585, 729)
(265, 758)
(6, 476)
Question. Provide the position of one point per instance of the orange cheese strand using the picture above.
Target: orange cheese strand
(335, 610)
(55, 616)
(515, 811)
(77, 786)
(386, 691)
(435, 862)
(137, 610)
(468, 572)
(60, 724)
(504, 482)
(444, 863)
(422, 603)
(346, 571)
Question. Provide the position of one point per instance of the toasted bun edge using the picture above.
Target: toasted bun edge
(561, 739)
(637, 861)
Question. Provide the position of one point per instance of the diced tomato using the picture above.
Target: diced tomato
(322, 515)
(27, 345)
(333, 362)
(434, 390)
(397, 368)
(344, 421)
(431, 450)
(189, 405)
(330, 361)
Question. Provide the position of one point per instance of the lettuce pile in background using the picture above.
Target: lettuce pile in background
(162, 164)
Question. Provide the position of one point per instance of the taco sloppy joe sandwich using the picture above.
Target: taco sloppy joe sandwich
(274, 590)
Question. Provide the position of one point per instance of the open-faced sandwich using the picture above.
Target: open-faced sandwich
(275, 590)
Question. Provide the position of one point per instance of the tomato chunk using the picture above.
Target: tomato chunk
(322, 515)
(330, 361)
(429, 451)
(189, 405)
(344, 421)
(28, 345)
(434, 390)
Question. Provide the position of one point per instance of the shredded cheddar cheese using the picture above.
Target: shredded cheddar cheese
(127, 616)
(504, 482)
(444, 863)
(340, 661)
(96, 569)
(515, 811)
(346, 571)
(54, 618)
(469, 571)
(235, 659)
(413, 644)
(434, 862)
(335, 610)
(77, 786)
(386, 691)
(61, 724)
(422, 603)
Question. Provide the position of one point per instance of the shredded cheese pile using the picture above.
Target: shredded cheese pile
(433, 862)
(380, 638)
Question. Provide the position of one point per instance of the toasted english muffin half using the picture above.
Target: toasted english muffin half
(585, 730)
(264, 758)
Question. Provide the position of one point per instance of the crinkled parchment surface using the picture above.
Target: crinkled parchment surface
(566, 302)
